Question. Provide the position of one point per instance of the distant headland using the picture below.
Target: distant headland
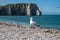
(19, 9)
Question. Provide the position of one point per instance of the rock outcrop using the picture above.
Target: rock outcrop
(19, 9)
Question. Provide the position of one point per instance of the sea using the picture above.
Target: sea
(45, 21)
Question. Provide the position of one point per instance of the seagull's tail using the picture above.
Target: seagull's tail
(38, 25)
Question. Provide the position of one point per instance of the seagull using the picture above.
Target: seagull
(33, 23)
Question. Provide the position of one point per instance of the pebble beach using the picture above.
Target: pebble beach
(24, 32)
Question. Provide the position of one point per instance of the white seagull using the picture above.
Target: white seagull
(33, 23)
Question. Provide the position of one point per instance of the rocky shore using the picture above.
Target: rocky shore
(24, 32)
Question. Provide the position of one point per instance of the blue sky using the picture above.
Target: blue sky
(48, 7)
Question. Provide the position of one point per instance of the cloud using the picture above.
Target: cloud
(1, 0)
(58, 7)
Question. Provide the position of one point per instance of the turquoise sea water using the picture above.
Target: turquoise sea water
(46, 21)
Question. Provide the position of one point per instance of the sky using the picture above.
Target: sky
(48, 7)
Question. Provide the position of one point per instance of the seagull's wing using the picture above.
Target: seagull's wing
(35, 24)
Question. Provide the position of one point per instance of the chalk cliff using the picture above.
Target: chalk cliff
(19, 9)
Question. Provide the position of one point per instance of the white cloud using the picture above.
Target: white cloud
(1, 0)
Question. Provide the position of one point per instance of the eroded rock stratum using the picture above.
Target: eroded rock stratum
(29, 9)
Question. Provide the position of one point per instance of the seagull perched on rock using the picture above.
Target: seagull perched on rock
(33, 23)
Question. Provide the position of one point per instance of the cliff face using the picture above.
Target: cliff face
(19, 9)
